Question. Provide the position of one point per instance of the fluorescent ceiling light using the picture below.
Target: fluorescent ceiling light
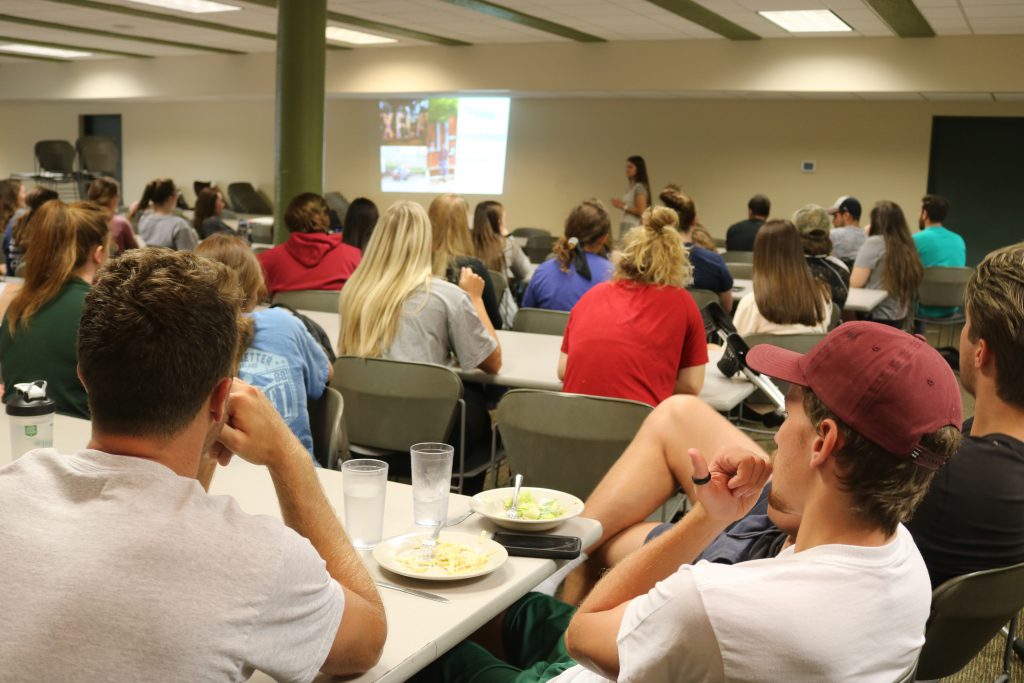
(807, 21)
(347, 35)
(39, 51)
(193, 6)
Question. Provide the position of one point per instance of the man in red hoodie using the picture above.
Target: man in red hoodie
(313, 257)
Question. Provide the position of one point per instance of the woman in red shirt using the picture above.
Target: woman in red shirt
(640, 335)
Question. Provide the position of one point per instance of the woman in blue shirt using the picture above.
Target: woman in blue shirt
(581, 260)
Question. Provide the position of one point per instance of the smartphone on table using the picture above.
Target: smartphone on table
(540, 545)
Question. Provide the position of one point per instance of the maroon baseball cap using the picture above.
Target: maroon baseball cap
(888, 386)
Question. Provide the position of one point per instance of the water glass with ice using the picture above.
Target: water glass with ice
(431, 481)
(364, 482)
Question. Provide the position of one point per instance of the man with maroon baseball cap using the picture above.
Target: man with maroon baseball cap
(871, 414)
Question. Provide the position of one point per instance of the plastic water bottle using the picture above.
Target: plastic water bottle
(243, 230)
(31, 418)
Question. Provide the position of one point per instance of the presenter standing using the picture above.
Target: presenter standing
(637, 197)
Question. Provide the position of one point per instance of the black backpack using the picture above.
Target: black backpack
(315, 330)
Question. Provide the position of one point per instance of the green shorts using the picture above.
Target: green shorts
(533, 635)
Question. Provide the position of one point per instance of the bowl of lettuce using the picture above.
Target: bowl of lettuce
(539, 509)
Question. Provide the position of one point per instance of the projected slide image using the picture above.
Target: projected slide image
(443, 144)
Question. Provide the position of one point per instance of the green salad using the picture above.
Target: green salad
(530, 507)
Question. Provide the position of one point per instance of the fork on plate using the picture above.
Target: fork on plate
(427, 547)
(513, 511)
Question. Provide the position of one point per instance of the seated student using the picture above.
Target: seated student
(37, 336)
(19, 227)
(107, 193)
(847, 235)
(639, 336)
(281, 358)
(851, 474)
(709, 269)
(740, 236)
(581, 260)
(394, 307)
(888, 260)
(499, 252)
(206, 219)
(938, 246)
(359, 222)
(12, 205)
(957, 529)
(313, 257)
(786, 298)
(159, 226)
(149, 577)
(813, 223)
(453, 248)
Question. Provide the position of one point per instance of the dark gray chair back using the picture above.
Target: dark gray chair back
(325, 423)
(97, 155)
(540, 321)
(245, 199)
(55, 156)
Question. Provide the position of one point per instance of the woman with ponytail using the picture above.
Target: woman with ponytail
(581, 260)
(39, 331)
(639, 336)
(159, 225)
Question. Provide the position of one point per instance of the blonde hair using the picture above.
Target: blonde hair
(653, 253)
(397, 260)
(236, 254)
(63, 239)
(449, 222)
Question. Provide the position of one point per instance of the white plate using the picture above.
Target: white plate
(389, 553)
(491, 505)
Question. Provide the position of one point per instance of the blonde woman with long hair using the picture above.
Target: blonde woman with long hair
(395, 306)
(889, 260)
(40, 328)
(639, 336)
(786, 298)
(453, 248)
(279, 355)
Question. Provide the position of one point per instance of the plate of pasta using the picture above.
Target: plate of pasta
(457, 556)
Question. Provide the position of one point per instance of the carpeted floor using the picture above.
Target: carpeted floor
(988, 665)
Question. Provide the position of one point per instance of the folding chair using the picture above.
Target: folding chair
(566, 441)
(738, 256)
(325, 300)
(500, 283)
(540, 321)
(325, 423)
(943, 286)
(967, 612)
(703, 297)
(245, 199)
(391, 405)
(538, 247)
(743, 271)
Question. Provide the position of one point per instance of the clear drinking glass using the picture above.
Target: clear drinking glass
(431, 481)
(364, 482)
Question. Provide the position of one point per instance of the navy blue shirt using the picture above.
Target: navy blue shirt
(709, 270)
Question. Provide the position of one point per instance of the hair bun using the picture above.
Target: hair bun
(658, 217)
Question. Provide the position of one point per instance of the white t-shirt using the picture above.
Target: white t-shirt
(830, 613)
(748, 319)
(114, 568)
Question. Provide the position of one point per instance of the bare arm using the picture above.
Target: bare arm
(473, 285)
(726, 300)
(737, 478)
(563, 359)
(256, 432)
(859, 276)
(690, 380)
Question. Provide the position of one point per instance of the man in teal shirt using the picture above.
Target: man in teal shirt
(938, 246)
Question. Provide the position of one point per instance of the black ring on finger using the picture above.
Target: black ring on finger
(702, 481)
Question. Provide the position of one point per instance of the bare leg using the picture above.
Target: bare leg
(654, 466)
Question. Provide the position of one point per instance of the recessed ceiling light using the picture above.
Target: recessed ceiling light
(39, 51)
(807, 21)
(346, 35)
(193, 6)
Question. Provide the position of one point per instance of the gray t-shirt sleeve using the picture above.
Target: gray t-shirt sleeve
(870, 253)
(299, 619)
(185, 237)
(470, 339)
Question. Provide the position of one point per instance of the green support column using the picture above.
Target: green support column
(299, 135)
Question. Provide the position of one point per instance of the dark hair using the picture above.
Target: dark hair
(360, 220)
(36, 198)
(995, 309)
(9, 190)
(641, 172)
(206, 206)
(307, 212)
(673, 198)
(488, 243)
(587, 223)
(936, 206)
(760, 205)
(903, 270)
(156, 193)
(103, 190)
(159, 330)
(885, 488)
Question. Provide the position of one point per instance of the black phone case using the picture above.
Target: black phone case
(529, 545)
